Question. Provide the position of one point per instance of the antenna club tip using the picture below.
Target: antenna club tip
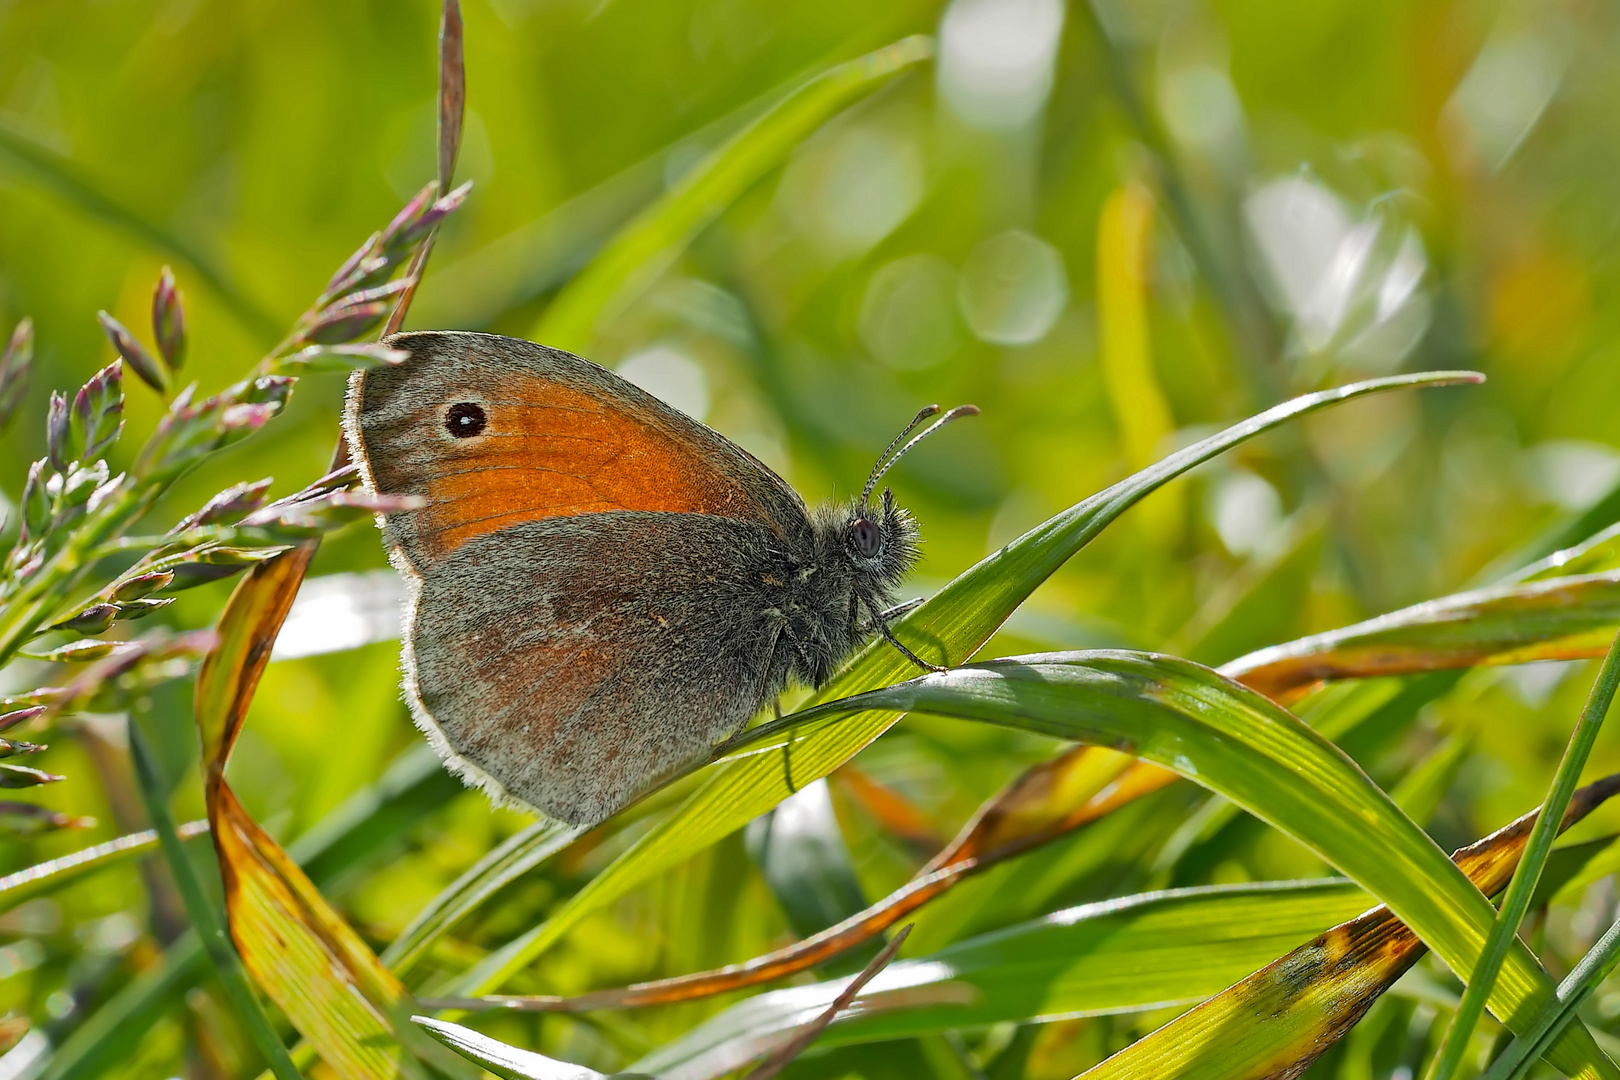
(965, 410)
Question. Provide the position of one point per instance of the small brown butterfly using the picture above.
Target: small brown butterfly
(601, 589)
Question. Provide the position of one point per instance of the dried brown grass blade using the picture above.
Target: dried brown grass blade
(247, 631)
(783, 1055)
(1565, 618)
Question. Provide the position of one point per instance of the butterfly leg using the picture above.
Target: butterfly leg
(880, 622)
(905, 607)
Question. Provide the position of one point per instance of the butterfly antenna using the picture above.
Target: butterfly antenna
(871, 481)
(883, 467)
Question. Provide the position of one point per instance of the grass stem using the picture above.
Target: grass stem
(1523, 885)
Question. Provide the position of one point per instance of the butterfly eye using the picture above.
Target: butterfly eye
(866, 538)
(465, 419)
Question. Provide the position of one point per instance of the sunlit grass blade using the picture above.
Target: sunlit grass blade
(320, 972)
(1318, 991)
(520, 853)
(210, 927)
(1596, 966)
(1232, 740)
(773, 1046)
(1560, 618)
(64, 870)
(1046, 801)
(1517, 901)
(509, 1062)
(782, 1056)
(948, 628)
(312, 963)
(641, 251)
(65, 179)
(1130, 954)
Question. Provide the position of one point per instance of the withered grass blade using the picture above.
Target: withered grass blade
(1563, 618)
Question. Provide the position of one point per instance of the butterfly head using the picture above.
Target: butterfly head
(879, 538)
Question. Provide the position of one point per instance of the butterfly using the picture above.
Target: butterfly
(601, 589)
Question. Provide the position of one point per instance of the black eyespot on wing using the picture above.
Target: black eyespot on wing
(465, 419)
(866, 538)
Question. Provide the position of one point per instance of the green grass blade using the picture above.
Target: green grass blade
(64, 870)
(520, 853)
(1318, 991)
(205, 917)
(1505, 930)
(1594, 968)
(800, 851)
(644, 248)
(1229, 739)
(948, 628)
(62, 177)
(1142, 952)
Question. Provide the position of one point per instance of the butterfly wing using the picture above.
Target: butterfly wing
(571, 664)
(561, 437)
(591, 573)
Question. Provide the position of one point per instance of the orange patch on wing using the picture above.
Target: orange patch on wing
(551, 451)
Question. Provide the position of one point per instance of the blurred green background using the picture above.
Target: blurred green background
(1323, 191)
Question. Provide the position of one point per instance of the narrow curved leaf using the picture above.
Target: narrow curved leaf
(1232, 740)
(949, 627)
(304, 956)
(1596, 966)
(345, 839)
(505, 1061)
(210, 927)
(1139, 952)
(521, 852)
(644, 248)
(1523, 887)
(63, 870)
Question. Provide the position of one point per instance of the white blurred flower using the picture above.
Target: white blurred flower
(996, 59)
(1347, 284)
